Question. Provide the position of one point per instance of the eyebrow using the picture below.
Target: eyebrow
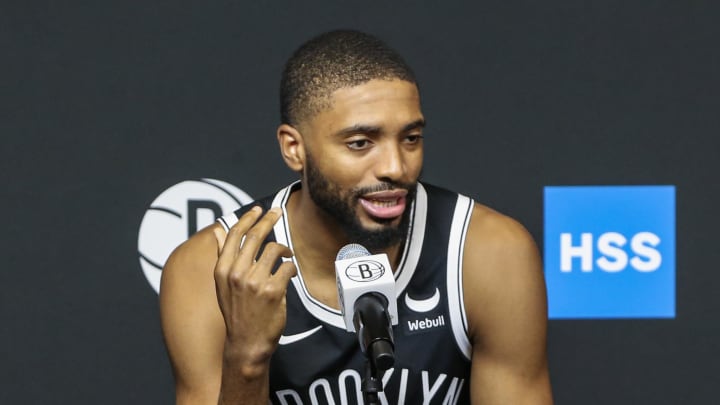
(376, 130)
(414, 125)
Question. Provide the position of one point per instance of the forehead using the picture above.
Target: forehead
(381, 103)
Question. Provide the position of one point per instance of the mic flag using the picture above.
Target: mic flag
(357, 273)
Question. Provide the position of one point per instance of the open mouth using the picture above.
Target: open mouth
(384, 204)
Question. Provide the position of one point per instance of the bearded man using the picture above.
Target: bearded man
(250, 309)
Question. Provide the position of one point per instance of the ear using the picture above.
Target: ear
(292, 147)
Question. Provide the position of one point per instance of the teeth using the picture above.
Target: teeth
(384, 203)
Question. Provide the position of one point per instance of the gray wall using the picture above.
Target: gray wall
(107, 104)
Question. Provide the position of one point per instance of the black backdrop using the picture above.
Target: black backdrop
(107, 104)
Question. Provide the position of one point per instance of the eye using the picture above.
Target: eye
(413, 139)
(358, 144)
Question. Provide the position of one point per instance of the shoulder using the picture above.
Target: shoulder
(199, 251)
(188, 276)
(502, 271)
(497, 236)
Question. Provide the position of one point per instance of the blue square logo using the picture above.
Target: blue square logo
(610, 251)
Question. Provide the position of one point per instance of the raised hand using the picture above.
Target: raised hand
(251, 298)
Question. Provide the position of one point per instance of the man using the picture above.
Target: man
(241, 328)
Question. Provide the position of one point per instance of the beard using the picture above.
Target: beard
(341, 205)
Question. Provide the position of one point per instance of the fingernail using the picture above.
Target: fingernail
(277, 210)
(256, 209)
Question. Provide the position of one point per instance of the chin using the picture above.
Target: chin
(376, 236)
(376, 228)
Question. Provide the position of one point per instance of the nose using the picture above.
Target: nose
(390, 165)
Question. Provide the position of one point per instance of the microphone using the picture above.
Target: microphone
(366, 290)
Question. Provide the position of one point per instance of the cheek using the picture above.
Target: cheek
(348, 173)
(414, 163)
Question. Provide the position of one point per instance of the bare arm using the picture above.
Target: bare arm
(192, 323)
(222, 312)
(507, 312)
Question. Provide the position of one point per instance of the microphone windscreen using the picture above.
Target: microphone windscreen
(351, 251)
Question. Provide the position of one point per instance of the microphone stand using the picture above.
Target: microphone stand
(371, 384)
(374, 332)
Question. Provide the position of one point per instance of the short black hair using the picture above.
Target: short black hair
(331, 61)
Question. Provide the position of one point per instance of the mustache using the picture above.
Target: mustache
(385, 186)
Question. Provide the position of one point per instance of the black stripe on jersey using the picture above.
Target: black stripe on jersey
(408, 240)
(224, 224)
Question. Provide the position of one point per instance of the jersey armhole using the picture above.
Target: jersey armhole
(456, 247)
(227, 221)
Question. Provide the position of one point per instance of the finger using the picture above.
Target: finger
(234, 238)
(276, 287)
(255, 237)
(231, 245)
(284, 273)
(270, 255)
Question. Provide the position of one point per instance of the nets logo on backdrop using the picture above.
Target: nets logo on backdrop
(179, 212)
(610, 251)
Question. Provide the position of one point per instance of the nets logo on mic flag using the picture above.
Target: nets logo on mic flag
(357, 273)
(364, 271)
(610, 251)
